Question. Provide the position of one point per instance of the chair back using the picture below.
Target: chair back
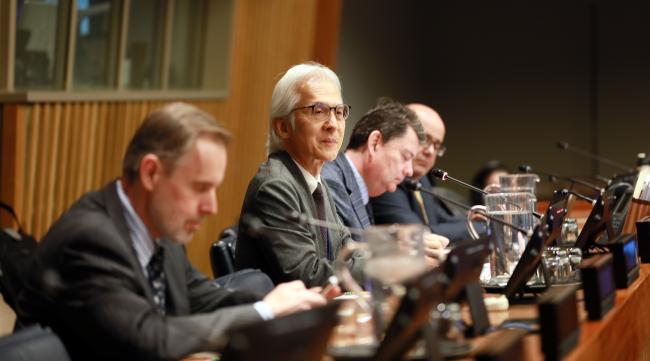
(33, 344)
(222, 253)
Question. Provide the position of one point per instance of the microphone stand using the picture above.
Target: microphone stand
(439, 173)
(417, 186)
(584, 153)
(552, 177)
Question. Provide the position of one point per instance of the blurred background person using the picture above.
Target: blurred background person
(487, 175)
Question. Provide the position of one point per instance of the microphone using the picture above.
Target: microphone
(565, 146)
(552, 177)
(439, 173)
(414, 185)
(578, 195)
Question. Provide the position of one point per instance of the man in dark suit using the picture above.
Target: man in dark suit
(111, 276)
(407, 206)
(306, 129)
(379, 155)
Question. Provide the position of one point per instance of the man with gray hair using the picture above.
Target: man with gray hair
(111, 277)
(306, 129)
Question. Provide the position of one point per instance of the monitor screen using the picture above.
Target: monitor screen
(606, 284)
(630, 253)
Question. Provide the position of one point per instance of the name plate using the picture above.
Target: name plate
(598, 285)
(558, 318)
(624, 248)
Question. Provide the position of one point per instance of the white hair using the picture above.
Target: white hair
(286, 96)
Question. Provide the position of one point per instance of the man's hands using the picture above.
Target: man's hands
(291, 297)
(434, 248)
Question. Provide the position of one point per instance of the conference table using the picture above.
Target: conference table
(623, 334)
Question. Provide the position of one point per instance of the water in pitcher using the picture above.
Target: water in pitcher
(508, 245)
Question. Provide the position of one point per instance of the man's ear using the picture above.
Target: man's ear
(374, 142)
(151, 169)
(282, 128)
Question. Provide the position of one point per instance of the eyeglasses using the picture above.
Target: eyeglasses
(440, 148)
(322, 111)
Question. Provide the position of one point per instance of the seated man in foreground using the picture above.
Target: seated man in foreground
(111, 276)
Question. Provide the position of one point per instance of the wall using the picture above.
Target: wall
(54, 152)
(510, 79)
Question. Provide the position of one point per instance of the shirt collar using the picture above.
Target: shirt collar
(143, 244)
(312, 182)
(360, 182)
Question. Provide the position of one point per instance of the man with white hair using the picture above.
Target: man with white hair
(306, 129)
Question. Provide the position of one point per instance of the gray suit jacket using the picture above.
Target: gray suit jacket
(281, 247)
(346, 194)
(88, 285)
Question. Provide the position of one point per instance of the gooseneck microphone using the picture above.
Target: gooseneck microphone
(441, 174)
(552, 177)
(414, 185)
(565, 146)
(578, 195)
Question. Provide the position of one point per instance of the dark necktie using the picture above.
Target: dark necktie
(319, 201)
(157, 280)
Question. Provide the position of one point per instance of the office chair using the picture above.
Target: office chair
(222, 252)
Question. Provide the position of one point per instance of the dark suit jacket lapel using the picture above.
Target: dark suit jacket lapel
(177, 297)
(429, 202)
(116, 213)
(285, 158)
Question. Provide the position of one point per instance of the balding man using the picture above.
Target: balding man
(407, 206)
(307, 123)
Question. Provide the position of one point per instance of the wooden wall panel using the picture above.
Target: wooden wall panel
(55, 152)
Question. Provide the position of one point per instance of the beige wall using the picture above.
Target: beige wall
(509, 78)
(54, 152)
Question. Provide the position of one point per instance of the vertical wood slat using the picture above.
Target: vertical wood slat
(82, 172)
(75, 155)
(12, 186)
(30, 163)
(100, 155)
(64, 162)
(93, 136)
(91, 146)
(52, 166)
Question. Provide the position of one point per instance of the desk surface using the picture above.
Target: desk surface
(624, 333)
